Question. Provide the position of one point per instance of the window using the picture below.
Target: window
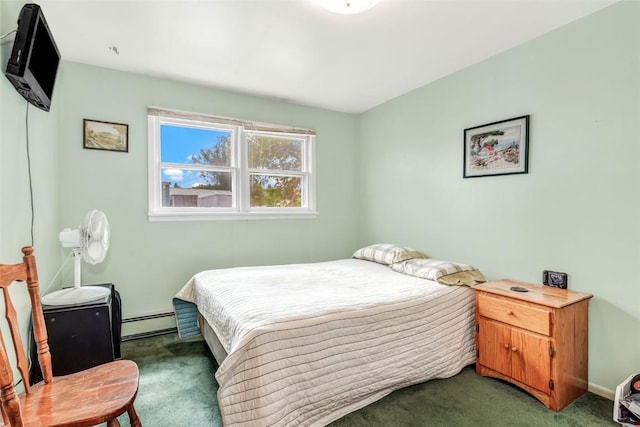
(205, 167)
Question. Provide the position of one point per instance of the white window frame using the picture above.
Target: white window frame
(239, 169)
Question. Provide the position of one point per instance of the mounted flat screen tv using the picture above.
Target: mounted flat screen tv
(35, 57)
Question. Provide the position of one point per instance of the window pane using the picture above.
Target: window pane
(274, 153)
(269, 191)
(193, 188)
(179, 144)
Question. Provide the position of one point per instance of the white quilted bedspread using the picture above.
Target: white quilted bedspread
(309, 343)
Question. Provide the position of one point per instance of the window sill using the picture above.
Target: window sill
(229, 216)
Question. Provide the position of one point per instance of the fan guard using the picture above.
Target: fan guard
(90, 242)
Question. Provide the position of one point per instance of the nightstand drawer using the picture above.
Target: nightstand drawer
(513, 313)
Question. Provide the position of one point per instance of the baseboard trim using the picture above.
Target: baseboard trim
(601, 391)
(148, 317)
(149, 334)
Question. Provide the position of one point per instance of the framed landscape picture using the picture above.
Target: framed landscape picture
(498, 148)
(99, 135)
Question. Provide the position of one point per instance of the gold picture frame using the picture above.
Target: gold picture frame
(109, 136)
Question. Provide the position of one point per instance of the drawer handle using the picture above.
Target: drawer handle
(510, 313)
(514, 349)
(506, 345)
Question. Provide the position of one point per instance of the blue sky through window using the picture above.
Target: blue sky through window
(179, 144)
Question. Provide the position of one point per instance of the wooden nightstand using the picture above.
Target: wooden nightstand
(536, 340)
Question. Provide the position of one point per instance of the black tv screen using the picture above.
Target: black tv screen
(33, 65)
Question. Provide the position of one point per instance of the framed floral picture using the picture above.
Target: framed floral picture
(498, 148)
(99, 135)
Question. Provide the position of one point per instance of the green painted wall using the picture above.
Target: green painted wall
(150, 261)
(578, 208)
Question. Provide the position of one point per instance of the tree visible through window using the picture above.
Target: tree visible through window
(218, 154)
(275, 166)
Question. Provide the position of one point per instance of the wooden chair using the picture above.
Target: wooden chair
(86, 398)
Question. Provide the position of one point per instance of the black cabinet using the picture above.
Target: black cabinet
(81, 336)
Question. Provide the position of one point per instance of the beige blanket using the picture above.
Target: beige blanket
(309, 343)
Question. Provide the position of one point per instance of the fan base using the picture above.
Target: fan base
(76, 296)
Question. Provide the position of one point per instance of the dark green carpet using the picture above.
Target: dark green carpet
(177, 383)
(178, 388)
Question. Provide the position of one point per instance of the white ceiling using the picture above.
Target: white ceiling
(296, 51)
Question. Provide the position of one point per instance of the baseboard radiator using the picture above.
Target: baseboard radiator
(151, 333)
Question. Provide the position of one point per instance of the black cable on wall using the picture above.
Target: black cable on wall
(29, 171)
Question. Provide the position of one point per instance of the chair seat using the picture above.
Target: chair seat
(86, 398)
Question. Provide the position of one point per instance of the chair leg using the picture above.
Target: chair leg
(113, 423)
(133, 417)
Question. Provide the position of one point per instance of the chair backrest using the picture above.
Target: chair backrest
(24, 272)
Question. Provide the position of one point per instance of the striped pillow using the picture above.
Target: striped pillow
(387, 253)
(445, 272)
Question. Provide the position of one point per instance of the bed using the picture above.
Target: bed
(305, 344)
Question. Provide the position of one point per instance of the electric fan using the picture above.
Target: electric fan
(89, 242)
